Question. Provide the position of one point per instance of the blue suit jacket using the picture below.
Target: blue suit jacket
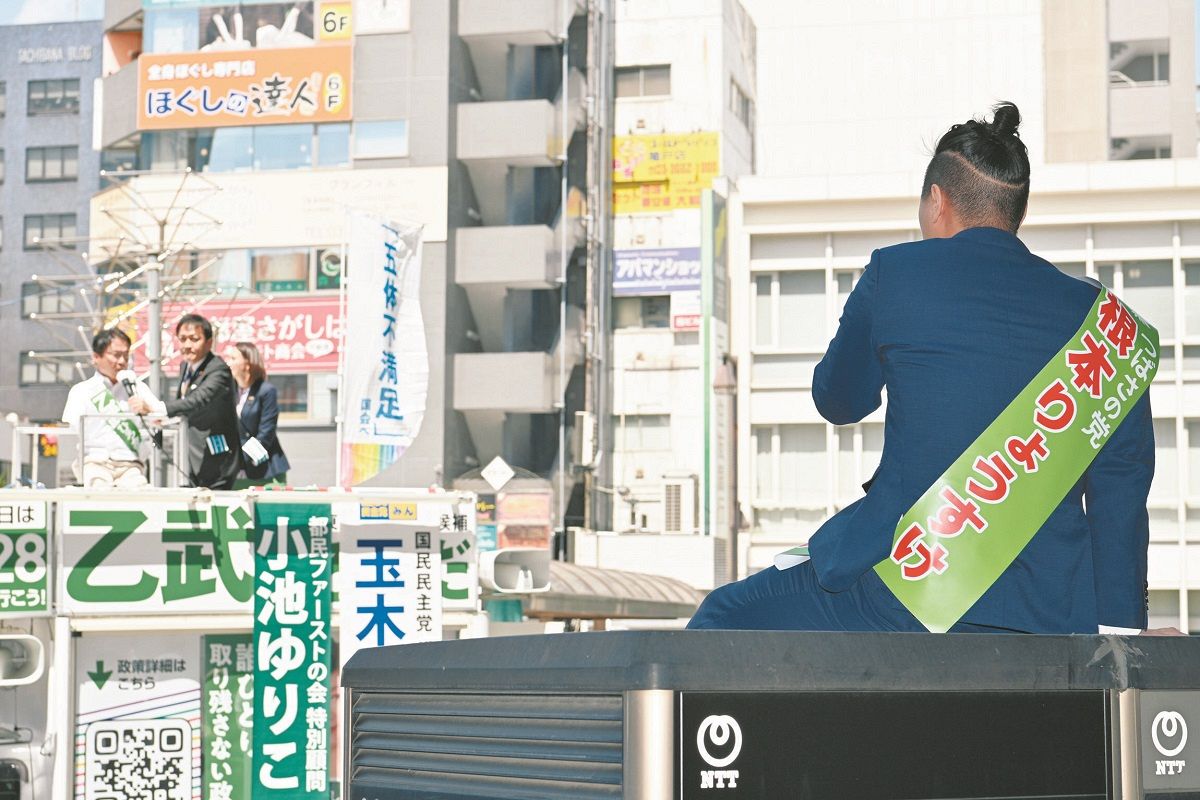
(260, 418)
(955, 328)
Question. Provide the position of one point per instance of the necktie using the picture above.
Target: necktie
(185, 378)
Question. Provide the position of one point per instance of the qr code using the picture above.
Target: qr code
(141, 759)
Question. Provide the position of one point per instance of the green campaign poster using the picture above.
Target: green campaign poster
(292, 650)
(227, 715)
(23, 559)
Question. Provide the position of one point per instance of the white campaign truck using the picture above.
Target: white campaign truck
(182, 643)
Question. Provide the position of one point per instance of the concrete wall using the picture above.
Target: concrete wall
(1076, 106)
(869, 87)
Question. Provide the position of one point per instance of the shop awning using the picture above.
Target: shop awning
(579, 592)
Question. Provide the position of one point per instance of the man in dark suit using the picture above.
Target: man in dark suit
(206, 397)
(954, 327)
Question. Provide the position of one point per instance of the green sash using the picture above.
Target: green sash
(977, 517)
(105, 403)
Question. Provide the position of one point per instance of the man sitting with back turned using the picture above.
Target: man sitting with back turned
(113, 451)
(1018, 447)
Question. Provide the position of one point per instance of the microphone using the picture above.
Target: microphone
(128, 379)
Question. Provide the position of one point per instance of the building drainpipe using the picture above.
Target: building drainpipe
(564, 258)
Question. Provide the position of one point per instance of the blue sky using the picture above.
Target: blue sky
(28, 12)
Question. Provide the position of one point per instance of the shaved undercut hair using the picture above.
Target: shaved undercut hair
(983, 168)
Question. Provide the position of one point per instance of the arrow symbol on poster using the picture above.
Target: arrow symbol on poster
(100, 676)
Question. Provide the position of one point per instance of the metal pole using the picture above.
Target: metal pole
(339, 411)
(154, 340)
(60, 739)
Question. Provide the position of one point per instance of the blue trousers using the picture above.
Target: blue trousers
(793, 600)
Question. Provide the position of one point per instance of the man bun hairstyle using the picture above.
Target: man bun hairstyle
(983, 168)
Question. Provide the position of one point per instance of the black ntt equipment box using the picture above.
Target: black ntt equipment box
(716, 715)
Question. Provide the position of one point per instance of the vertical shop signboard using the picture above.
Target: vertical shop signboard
(292, 650)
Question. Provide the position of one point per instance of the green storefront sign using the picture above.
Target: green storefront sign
(292, 650)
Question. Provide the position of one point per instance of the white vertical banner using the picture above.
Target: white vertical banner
(386, 369)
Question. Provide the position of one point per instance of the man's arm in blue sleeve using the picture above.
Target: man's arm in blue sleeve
(1116, 486)
(848, 381)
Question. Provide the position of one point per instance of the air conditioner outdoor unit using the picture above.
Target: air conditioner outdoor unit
(679, 503)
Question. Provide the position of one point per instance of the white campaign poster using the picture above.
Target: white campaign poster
(156, 557)
(137, 716)
(386, 369)
(402, 564)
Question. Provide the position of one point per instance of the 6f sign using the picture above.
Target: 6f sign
(719, 742)
(335, 21)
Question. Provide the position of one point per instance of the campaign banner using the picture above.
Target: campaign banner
(401, 564)
(393, 593)
(386, 382)
(179, 556)
(655, 173)
(227, 87)
(227, 715)
(296, 334)
(137, 715)
(24, 567)
(292, 651)
(656, 271)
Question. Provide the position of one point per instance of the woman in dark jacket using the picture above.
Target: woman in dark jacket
(258, 418)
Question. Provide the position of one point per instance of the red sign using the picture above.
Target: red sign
(296, 334)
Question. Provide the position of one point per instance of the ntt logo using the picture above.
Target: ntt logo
(1169, 734)
(721, 733)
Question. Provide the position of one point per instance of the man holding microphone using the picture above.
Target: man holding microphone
(112, 451)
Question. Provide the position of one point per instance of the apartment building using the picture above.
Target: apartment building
(685, 94)
(48, 173)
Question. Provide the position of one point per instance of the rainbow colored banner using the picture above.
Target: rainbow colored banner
(386, 382)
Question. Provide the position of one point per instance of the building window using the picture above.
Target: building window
(53, 97)
(1139, 148)
(642, 312)
(790, 465)
(1148, 288)
(741, 105)
(647, 81)
(333, 144)
(53, 228)
(1, 165)
(293, 395)
(245, 149)
(789, 310)
(46, 370)
(279, 270)
(3, 98)
(641, 432)
(381, 139)
(46, 164)
(1191, 300)
(1137, 62)
(38, 299)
